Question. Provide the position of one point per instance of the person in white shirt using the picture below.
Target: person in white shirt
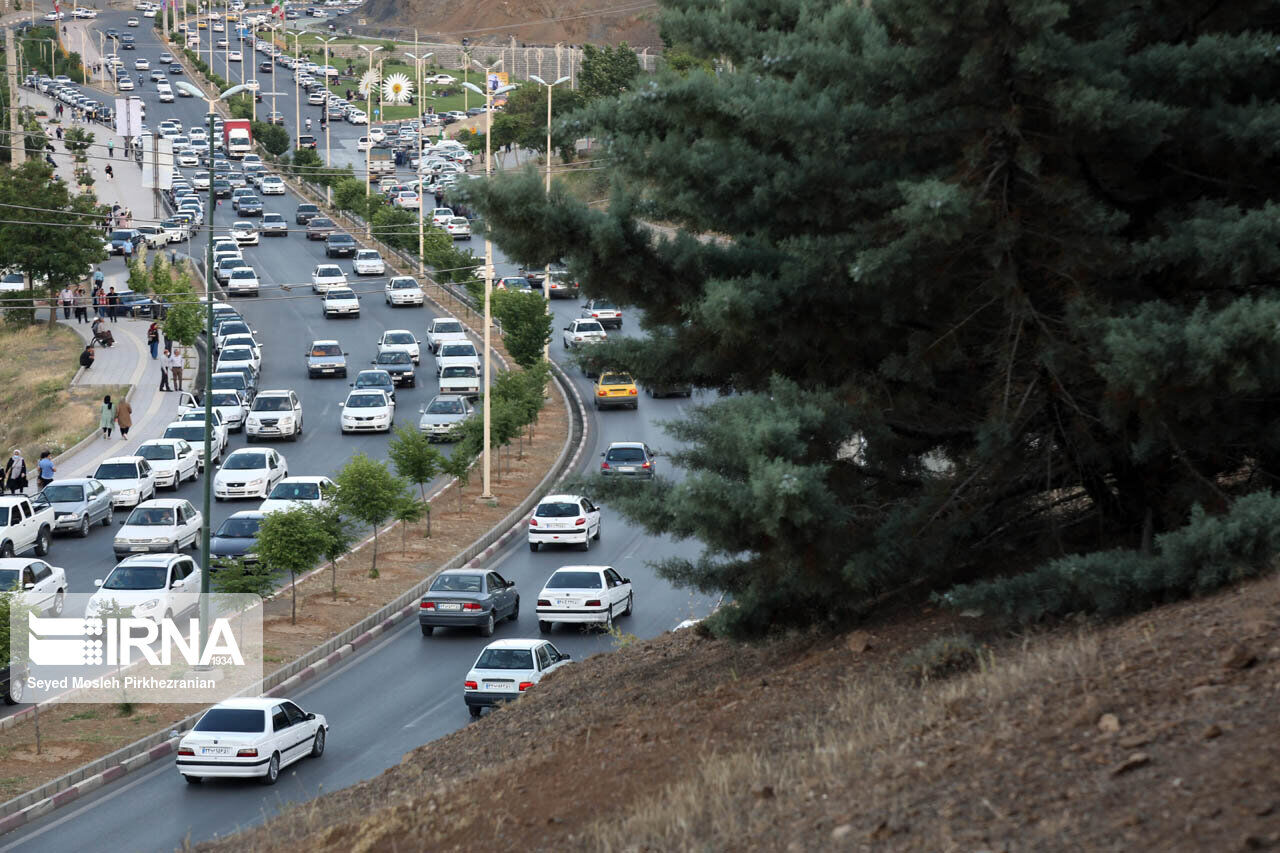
(66, 298)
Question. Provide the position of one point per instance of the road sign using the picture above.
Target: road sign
(128, 117)
(157, 163)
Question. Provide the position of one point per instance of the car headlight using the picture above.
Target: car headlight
(128, 492)
(286, 421)
(148, 604)
(258, 482)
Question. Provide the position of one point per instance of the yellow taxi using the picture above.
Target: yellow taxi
(202, 25)
(616, 389)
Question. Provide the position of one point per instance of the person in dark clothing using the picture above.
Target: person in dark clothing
(15, 473)
(113, 304)
(86, 357)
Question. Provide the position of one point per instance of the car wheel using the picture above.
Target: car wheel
(195, 540)
(486, 630)
(6, 550)
(544, 627)
(17, 690)
(427, 629)
(630, 604)
(42, 542)
(474, 711)
(192, 780)
(515, 611)
(59, 601)
(597, 536)
(83, 530)
(317, 745)
(608, 620)
(586, 544)
(533, 546)
(273, 770)
(111, 517)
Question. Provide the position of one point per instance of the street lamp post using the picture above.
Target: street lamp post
(324, 72)
(297, 97)
(368, 121)
(208, 367)
(491, 89)
(546, 277)
(417, 62)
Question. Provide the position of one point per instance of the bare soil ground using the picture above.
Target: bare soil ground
(73, 735)
(529, 21)
(1156, 733)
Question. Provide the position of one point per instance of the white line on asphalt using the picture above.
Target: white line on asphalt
(430, 711)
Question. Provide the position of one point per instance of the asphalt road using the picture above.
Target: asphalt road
(406, 689)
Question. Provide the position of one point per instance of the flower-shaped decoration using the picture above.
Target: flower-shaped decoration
(369, 82)
(397, 89)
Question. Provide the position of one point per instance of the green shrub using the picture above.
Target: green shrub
(942, 657)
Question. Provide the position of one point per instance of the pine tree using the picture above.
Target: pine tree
(987, 282)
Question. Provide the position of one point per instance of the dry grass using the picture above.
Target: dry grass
(38, 409)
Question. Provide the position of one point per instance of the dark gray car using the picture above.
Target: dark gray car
(379, 379)
(468, 598)
(338, 244)
(77, 504)
(235, 539)
(399, 364)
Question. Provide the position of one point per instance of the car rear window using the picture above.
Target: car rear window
(456, 583)
(505, 659)
(557, 509)
(575, 580)
(625, 454)
(233, 720)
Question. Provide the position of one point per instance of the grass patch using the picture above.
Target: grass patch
(38, 409)
(89, 714)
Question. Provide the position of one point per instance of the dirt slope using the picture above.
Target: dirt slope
(1158, 733)
(529, 21)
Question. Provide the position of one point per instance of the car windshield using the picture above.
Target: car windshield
(448, 328)
(590, 327)
(325, 349)
(558, 509)
(341, 238)
(445, 407)
(457, 349)
(121, 235)
(615, 379)
(308, 208)
(116, 471)
(136, 577)
(367, 256)
(152, 516)
(272, 404)
(575, 580)
(457, 372)
(456, 583)
(233, 720)
(340, 293)
(295, 492)
(239, 528)
(366, 401)
(505, 659)
(245, 461)
(243, 272)
(157, 451)
(328, 272)
(373, 379)
(236, 354)
(226, 400)
(63, 494)
(233, 327)
(400, 338)
(403, 283)
(194, 433)
(625, 454)
(394, 357)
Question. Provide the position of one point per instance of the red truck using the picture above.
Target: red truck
(237, 138)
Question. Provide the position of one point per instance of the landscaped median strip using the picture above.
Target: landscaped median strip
(59, 792)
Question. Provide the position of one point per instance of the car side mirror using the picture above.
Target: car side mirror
(311, 715)
(626, 580)
(566, 656)
(341, 405)
(97, 581)
(28, 586)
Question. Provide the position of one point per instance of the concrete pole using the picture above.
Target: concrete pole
(18, 146)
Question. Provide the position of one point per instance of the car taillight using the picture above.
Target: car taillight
(186, 750)
(577, 337)
(602, 393)
(525, 685)
(533, 522)
(596, 315)
(247, 753)
(544, 602)
(427, 605)
(472, 606)
(646, 465)
(604, 464)
(632, 392)
(595, 602)
(580, 522)
(469, 685)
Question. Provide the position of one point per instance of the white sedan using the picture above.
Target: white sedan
(158, 525)
(228, 404)
(341, 301)
(234, 357)
(234, 56)
(272, 185)
(404, 290)
(244, 232)
(369, 262)
(129, 478)
(564, 519)
(44, 586)
(249, 473)
(220, 427)
(400, 340)
(506, 669)
(248, 738)
(325, 276)
(578, 594)
(581, 332)
(174, 460)
(368, 410)
(299, 491)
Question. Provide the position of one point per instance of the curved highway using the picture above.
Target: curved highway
(405, 689)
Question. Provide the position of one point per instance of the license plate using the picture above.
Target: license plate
(449, 606)
(563, 602)
(327, 369)
(493, 685)
(215, 750)
(138, 548)
(627, 468)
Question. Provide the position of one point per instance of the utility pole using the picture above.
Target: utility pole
(18, 147)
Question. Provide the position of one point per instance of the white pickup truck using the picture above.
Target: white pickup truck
(444, 329)
(24, 526)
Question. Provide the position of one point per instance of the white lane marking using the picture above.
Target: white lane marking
(429, 711)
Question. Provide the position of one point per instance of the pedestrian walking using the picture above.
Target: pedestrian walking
(153, 339)
(111, 148)
(66, 298)
(81, 306)
(107, 416)
(100, 302)
(128, 251)
(164, 371)
(124, 417)
(45, 475)
(113, 304)
(15, 473)
(175, 367)
(110, 174)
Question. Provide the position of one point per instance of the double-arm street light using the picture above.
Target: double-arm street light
(324, 73)
(370, 49)
(490, 91)
(417, 81)
(546, 279)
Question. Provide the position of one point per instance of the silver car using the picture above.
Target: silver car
(442, 414)
(77, 504)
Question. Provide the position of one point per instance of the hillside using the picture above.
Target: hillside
(1152, 734)
(528, 21)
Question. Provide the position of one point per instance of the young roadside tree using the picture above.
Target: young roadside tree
(526, 325)
(1015, 298)
(369, 493)
(409, 510)
(416, 460)
(337, 537)
(290, 541)
(238, 576)
(458, 465)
